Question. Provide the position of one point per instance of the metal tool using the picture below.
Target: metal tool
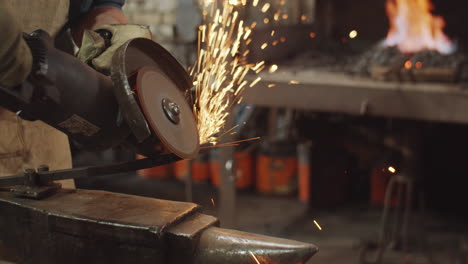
(39, 183)
(99, 112)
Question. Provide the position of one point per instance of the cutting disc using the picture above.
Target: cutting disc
(167, 112)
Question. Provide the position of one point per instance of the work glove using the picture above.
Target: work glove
(98, 46)
(15, 55)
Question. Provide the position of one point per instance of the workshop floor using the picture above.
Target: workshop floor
(343, 229)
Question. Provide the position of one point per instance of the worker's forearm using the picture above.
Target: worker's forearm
(15, 55)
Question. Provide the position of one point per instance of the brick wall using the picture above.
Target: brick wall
(172, 22)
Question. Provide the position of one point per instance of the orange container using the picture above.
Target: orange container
(243, 170)
(182, 169)
(304, 182)
(379, 181)
(304, 168)
(277, 169)
(200, 171)
(215, 173)
(160, 172)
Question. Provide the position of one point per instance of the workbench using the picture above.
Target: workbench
(336, 92)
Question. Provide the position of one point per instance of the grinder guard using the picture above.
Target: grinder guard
(95, 111)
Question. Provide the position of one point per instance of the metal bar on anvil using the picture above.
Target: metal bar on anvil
(94, 171)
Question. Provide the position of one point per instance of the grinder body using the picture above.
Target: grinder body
(97, 112)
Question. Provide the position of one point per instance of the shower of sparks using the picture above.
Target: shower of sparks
(220, 70)
(318, 226)
(254, 257)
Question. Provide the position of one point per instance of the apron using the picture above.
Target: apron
(25, 144)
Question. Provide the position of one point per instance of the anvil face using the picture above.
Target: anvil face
(82, 226)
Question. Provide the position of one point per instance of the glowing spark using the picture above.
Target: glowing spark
(213, 202)
(255, 3)
(258, 66)
(312, 35)
(273, 68)
(303, 17)
(408, 64)
(265, 7)
(318, 226)
(283, 39)
(264, 45)
(240, 141)
(255, 82)
(254, 257)
(276, 16)
(391, 169)
(285, 16)
(293, 82)
(353, 34)
(418, 65)
(220, 68)
(272, 33)
(271, 85)
(207, 2)
(266, 20)
(275, 43)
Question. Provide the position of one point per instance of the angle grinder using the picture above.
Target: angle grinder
(143, 105)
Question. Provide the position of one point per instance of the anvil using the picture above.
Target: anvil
(81, 226)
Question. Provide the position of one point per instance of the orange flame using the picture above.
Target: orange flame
(414, 28)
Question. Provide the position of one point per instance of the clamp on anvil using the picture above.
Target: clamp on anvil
(39, 183)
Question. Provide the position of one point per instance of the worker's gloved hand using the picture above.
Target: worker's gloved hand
(99, 46)
(15, 55)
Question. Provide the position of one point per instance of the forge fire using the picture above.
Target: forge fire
(414, 28)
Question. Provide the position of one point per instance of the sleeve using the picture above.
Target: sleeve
(109, 3)
(80, 7)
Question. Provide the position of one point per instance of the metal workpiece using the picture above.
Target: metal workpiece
(218, 245)
(78, 226)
